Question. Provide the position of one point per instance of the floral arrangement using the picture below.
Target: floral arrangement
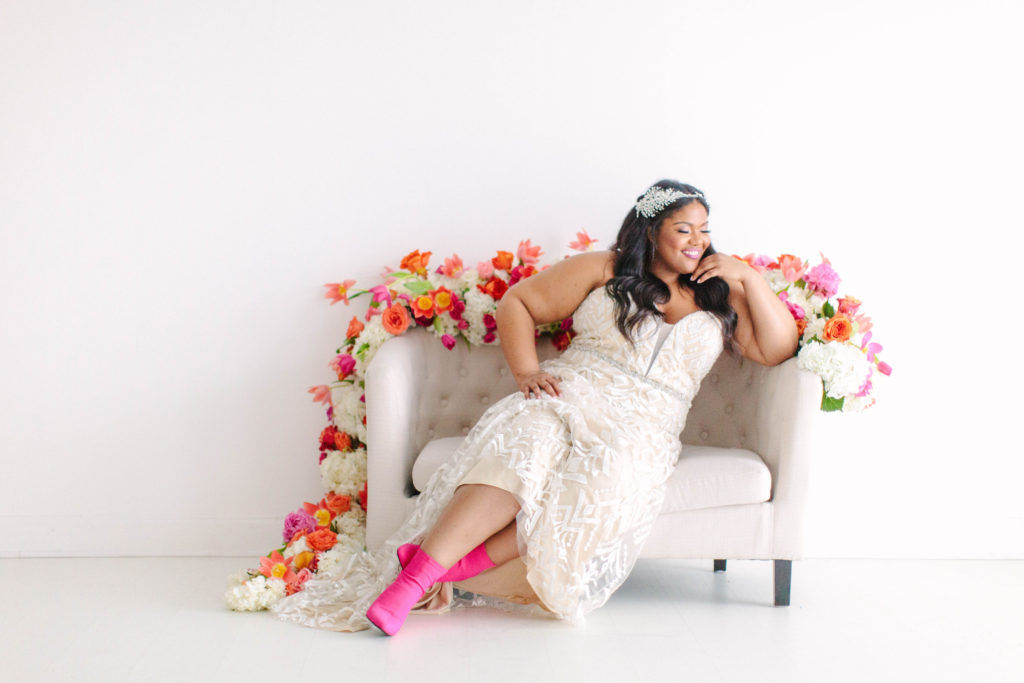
(454, 302)
(835, 338)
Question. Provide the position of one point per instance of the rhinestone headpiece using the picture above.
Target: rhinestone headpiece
(657, 198)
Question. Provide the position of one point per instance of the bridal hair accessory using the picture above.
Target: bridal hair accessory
(657, 198)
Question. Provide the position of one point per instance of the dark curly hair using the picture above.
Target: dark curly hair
(633, 282)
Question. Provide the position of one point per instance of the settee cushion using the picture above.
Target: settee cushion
(705, 476)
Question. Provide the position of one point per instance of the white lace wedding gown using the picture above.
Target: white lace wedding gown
(588, 468)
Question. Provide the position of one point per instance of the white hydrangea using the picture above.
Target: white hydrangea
(469, 279)
(253, 594)
(299, 546)
(815, 328)
(351, 527)
(842, 367)
(344, 472)
(777, 280)
(374, 335)
(349, 410)
(477, 304)
(856, 404)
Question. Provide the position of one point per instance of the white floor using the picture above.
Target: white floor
(153, 619)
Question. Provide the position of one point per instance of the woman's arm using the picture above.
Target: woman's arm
(550, 295)
(765, 330)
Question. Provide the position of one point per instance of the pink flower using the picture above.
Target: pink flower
(822, 278)
(792, 267)
(759, 263)
(869, 348)
(583, 242)
(485, 269)
(452, 266)
(794, 309)
(884, 368)
(458, 306)
(863, 323)
(489, 337)
(343, 364)
(448, 341)
(381, 294)
(865, 388)
(848, 305)
(298, 521)
(338, 291)
(321, 393)
(388, 277)
(566, 324)
(528, 255)
(489, 322)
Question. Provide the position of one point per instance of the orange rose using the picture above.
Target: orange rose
(354, 328)
(503, 261)
(338, 504)
(496, 287)
(801, 325)
(322, 539)
(838, 328)
(415, 262)
(395, 319)
(342, 441)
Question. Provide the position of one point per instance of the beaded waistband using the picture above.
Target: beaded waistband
(675, 393)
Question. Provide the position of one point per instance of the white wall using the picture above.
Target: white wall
(178, 179)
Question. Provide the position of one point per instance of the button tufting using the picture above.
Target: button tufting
(503, 372)
(463, 372)
(430, 432)
(485, 399)
(728, 409)
(704, 434)
(465, 430)
(714, 378)
(444, 403)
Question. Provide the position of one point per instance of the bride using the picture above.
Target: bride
(553, 492)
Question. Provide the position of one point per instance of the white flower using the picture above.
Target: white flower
(349, 410)
(842, 367)
(299, 546)
(344, 472)
(777, 280)
(815, 328)
(338, 559)
(254, 594)
(477, 304)
(856, 404)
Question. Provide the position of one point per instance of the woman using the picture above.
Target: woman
(561, 481)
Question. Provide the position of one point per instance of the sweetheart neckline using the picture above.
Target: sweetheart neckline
(657, 320)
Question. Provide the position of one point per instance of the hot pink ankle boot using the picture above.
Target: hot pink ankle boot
(389, 610)
(476, 561)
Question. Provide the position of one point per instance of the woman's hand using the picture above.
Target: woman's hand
(538, 382)
(723, 266)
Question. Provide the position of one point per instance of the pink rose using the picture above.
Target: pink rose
(448, 341)
(485, 269)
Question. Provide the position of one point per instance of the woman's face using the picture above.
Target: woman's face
(683, 237)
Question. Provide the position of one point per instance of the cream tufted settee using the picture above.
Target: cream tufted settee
(738, 490)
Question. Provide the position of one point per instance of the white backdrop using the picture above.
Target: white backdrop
(178, 179)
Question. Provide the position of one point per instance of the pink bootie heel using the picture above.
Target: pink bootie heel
(476, 561)
(389, 610)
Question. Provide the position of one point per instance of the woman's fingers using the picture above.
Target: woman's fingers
(540, 383)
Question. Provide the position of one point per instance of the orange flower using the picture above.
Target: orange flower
(452, 266)
(801, 325)
(848, 305)
(321, 394)
(792, 267)
(321, 539)
(354, 328)
(277, 567)
(342, 441)
(503, 261)
(496, 287)
(443, 300)
(423, 306)
(338, 504)
(395, 319)
(838, 328)
(415, 262)
(302, 560)
(338, 291)
(321, 513)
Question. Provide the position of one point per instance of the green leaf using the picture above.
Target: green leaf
(418, 287)
(437, 325)
(829, 404)
(827, 310)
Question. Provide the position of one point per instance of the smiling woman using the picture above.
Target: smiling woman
(559, 483)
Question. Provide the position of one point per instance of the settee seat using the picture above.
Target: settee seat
(704, 477)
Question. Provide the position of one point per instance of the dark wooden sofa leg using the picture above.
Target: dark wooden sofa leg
(719, 565)
(783, 579)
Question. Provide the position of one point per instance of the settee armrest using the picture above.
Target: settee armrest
(395, 380)
(787, 403)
